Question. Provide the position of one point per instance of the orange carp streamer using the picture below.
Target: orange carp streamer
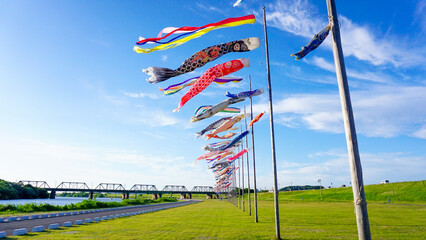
(256, 119)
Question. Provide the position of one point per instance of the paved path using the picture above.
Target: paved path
(8, 227)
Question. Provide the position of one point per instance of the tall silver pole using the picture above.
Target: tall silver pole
(271, 118)
(234, 185)
(242, 168)
(254, 159)
(248, 166)
(351, 139)
(239, 183)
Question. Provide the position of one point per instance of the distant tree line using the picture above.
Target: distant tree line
(245, 190)
(10, 190)
(86, 194)
(295, 188)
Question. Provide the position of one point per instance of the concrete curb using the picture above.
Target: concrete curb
(67, 224)
(53, 226)
(37, 229)
(19, 231)
(11, 219)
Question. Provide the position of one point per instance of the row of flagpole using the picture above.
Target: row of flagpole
(350, 132)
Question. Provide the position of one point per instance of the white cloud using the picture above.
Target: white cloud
(153, 117)
(380, 112)
(164, 58)
(420, 14)
(141, 95)
(210, 8)
(295, 17)
(421, 132)
(333, 167)
(369, 76)
(299, 18)
(26, 159)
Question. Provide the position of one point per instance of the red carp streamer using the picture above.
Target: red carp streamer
(211, 74)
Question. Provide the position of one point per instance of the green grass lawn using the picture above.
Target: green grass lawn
(401, 192)
(302, 214)
(214, 219)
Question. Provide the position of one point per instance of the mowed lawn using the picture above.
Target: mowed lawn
(214, 219)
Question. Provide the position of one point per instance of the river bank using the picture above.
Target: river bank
(8, 209)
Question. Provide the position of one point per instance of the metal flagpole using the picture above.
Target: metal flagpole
(239, 183)
(351, 139)
(248, 168)
(234, 183)
(254, 158)
(271, 118)
(242, 167)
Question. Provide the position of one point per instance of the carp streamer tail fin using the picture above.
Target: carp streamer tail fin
(184, 99)
(228, 94)
(159, 74)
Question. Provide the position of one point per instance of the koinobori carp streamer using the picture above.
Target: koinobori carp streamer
(208, 112)
(246, 94)
(212, 126)
(202, 57)
(188, 33)
(227, 125)
(313, 44)
(210, 75)
(257, 118)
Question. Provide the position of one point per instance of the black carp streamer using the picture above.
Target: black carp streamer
(202, 57)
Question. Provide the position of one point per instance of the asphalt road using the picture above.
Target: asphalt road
(29, 224)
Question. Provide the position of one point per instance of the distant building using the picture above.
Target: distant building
(343, 185)
(384, 181)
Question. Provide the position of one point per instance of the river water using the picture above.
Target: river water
(59, 201)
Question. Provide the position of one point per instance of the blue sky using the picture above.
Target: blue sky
(76, 107)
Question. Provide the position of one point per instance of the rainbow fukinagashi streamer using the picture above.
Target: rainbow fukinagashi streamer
(188, 33)
(172, 89)
(211, 74)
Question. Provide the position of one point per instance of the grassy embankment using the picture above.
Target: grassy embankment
(401, 192)
(214, 219)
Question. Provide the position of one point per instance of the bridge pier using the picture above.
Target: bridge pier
(90, 195)
(52, 194)
(183, 196)
(156, 196)
(125, 195)
(208, 196)
(189, 196)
